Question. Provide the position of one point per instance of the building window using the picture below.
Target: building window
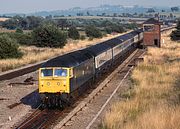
(148, 28)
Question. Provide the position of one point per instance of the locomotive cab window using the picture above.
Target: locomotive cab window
(46, 72)
(60, 72)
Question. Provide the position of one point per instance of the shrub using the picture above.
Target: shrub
(48, 35)
(22, 38)
(90, 38)
(9, 48)
(82, 37)
(114, 28)
(92, 31)
(18, 30)
(73, 33)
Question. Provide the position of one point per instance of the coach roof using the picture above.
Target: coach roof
(97, 49)
(112, 42)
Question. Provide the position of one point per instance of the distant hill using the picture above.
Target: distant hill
(103, 9)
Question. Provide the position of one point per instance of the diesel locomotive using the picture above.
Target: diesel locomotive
(62, 78)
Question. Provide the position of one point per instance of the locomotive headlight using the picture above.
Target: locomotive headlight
(48, 83)
(58, 83)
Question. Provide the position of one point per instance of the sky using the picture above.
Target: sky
(28, 6)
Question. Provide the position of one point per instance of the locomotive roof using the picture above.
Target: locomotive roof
(97, 49)
(68, 60)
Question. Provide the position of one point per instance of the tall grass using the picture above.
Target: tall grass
(33, 54)
(154, 102)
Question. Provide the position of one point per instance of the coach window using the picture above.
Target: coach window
(60, 73)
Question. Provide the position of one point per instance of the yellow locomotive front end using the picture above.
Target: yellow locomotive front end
(54, 80)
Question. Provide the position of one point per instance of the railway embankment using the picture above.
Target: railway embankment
(154, 100)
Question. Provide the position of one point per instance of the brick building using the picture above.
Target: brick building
(152, 33)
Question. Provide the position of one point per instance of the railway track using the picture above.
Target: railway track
(40, 119)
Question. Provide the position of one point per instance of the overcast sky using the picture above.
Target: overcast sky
(26, 6)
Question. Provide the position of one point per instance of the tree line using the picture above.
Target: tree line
(46, 32)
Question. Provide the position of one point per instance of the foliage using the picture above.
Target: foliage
(92, 31)
(114, 28)
(29, 22)
(82, 37)
(19, 30)
(90, 38)
(73, 33)
(62, 23)
(131, 26)
(21, 38)
(175, 35)
(174, 9)
(151, 10)
(9, 48)
(48, 35)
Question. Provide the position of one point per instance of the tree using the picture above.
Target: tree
(114, 28)
(150, 10)
(33, 22)
(88, 14)
(175, 35)
(62, 23)
(9, 48)
(174, 9)
(92, 31)
(29, 22)
(73, 33)
(48, 35)
(10, 24)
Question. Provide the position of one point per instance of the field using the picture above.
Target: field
(33, 54)
(154, 100)
(3, 19)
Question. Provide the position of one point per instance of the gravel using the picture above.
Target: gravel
(17, 100)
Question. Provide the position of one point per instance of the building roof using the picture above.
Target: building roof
(151, 21)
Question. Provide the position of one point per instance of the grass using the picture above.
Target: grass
(33, 54)
(154, 102)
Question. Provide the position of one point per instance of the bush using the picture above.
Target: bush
(83, 37)
(48, 35)
(92, 31)
(18, 30)
(73, 33)
(9, 48)
(90, 38)
(114, 28)
(22, 38)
